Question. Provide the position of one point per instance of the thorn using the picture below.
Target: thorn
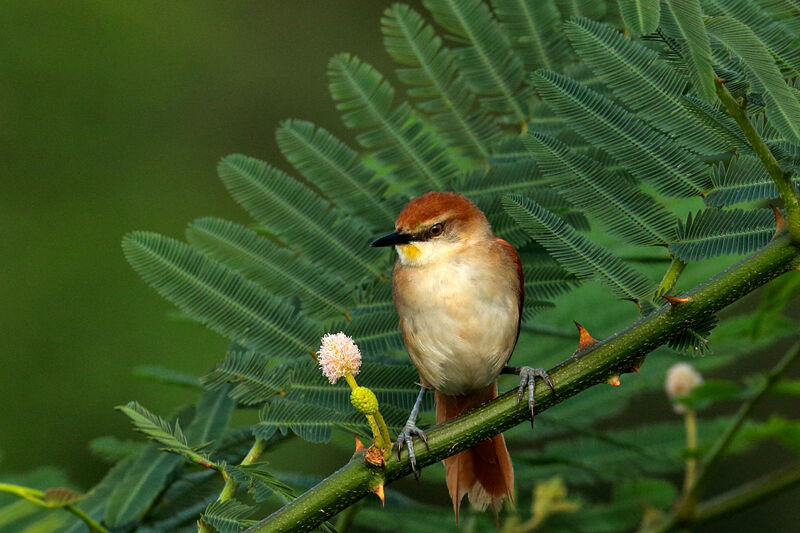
(780, 221)
(584, 338)
(613, 381)
(635, 368)
(359, 445)
(378, 490)
(675, 301)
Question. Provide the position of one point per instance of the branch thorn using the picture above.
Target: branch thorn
(780, 222)
(675, 301)
(584, 338)
(378, 490)
(359, 445)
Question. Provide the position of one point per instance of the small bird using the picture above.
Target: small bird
(459, 291)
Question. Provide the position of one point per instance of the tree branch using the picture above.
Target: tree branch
(615, 355)
(783, 180)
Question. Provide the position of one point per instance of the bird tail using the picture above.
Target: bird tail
(484, 472)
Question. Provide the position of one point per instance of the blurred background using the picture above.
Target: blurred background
(114, 117)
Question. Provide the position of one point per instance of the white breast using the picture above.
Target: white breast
(459, 321)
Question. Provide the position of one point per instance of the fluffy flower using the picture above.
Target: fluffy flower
(682, 378)
(338, 356)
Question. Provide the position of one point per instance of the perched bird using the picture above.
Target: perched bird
(458, 290)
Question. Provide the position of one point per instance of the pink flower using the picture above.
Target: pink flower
(338, 356)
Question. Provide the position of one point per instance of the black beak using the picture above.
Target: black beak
(392, 239)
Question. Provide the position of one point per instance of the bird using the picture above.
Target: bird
(459, 290)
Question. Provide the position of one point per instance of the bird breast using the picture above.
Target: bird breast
(459, 318)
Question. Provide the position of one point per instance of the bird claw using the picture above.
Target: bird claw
(527, 379)
(405, 437)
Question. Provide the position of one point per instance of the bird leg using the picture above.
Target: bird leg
(527, 378)
(409, 431)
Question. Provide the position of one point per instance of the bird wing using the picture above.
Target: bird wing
(512, 254)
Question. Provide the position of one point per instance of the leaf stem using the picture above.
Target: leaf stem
(36, 497)
(671, 276)
(229, 489)
(612, 356)
(782, 179)
(691, 446)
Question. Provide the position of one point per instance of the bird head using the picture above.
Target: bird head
(434, 226)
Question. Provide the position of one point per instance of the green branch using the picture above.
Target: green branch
(612, 356)
(783, 180)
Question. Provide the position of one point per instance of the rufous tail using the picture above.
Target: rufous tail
(483, 472)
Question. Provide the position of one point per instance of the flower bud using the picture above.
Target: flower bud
(681, 380)
(338, 356)
(364, 400)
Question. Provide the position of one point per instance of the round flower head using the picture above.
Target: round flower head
(682, 378)
(338, 356)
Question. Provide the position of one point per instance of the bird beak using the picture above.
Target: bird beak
(392, 239)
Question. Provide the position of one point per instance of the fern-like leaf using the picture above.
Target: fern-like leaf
(277, 269)
(582, 8)
(612, 197)
(398, 138)
(647, 85)
(744, 179)
(314, 423)
(490, 66)
(640, 16)
(228, 516)
(219, 297)
(530, 26)
(338, 171)
(301, 218)
(430, 69)
(574, 252)
(255, 377)
(779, 38)
(714, 232)
(687, 17)
(783, 108)
(646, 153)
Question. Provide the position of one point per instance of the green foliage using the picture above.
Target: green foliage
(574, 252)
(647, 153)
(219, 297)
(783, 109)
(621, 139)
(640, 16)
(714, 232)
(430, 69)
(397, 137)
(687, 22)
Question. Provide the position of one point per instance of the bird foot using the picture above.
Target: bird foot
(406, 438)
(527, 380)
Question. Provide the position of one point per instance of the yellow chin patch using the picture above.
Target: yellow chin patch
(409, 252)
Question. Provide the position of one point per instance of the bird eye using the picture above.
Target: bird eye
(436, 230)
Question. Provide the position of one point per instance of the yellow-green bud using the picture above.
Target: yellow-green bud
(364, 400)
